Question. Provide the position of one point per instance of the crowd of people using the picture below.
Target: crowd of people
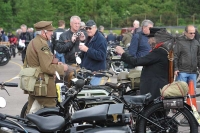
(53, 49)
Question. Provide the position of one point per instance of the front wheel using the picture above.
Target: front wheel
(171, 122)
(24, 110)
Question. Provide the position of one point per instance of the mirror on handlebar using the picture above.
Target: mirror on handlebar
(2, 102)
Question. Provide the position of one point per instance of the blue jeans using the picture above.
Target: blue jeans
(60, 57)
(187, 77)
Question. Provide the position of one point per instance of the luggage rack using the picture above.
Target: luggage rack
(5, 44)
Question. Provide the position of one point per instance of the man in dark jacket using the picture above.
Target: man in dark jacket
(94, 50)
(55, 38)
(139, 45)
(155, 65)
(187, 56)
(69, 41)
(25, 38)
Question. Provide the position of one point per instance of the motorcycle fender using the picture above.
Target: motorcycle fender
(44, 111)
(188, 107)
(12, 126)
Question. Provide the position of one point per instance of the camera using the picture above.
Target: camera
(78, 33)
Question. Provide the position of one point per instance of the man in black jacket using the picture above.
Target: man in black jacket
(55, 38)
(187, 56)
(68, 42)
(25, 38)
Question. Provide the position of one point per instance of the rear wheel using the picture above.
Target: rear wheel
(171, 122)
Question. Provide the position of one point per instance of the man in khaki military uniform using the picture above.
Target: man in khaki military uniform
(38, 54)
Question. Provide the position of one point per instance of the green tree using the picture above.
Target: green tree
(6, 15)
(30, 12)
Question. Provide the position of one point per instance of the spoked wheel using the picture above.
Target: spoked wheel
(181, 121)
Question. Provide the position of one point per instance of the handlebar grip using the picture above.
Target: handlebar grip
(91, 74)
(10, 84)
(87, 86)
(2, 116)
(80, 77)
(101, 75)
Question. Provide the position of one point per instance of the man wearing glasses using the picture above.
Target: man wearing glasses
(94, 50)
(139, 45)
(187, 56)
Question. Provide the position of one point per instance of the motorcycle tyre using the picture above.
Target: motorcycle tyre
(5, 62)
(154, 108)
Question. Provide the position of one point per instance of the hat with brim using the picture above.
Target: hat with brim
(90, 23)
(44, 25)
(153, 31)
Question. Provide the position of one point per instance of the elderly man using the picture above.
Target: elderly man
(38, 55)
(187, 56)
(136, 26)
(69, 40)
(94, 50)
(139, 45)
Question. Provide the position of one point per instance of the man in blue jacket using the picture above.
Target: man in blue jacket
(94, 51)
(139, 45)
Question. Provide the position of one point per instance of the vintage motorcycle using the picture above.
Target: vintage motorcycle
(114, 60)
(99, 119)
(146, 116)
(5, 55)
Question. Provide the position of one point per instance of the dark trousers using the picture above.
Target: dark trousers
(23, 55)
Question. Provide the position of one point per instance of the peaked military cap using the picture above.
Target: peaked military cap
(44, 25)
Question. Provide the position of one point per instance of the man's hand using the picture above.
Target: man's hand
(119, 50)
(74, 36)
(82, 37)
(83, 48)
(60, 63)
(176, 73)
(65, 67)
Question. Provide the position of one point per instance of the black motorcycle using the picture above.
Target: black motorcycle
(154, 116)
(99, 119)
(4, 55)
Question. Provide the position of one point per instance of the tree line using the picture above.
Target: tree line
(109, 13)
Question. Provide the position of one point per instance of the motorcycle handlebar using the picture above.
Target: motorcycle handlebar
(9, 84)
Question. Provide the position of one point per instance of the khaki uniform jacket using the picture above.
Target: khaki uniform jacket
(38, 54)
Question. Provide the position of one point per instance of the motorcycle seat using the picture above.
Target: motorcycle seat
(138, 99)
(117, 85)
(93, 114)
(47, 124)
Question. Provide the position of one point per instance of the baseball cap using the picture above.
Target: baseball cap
(90, 23)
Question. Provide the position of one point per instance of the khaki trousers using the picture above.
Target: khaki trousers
(43, 101)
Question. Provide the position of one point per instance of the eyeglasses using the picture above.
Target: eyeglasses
(191, 33)
(88, 28)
